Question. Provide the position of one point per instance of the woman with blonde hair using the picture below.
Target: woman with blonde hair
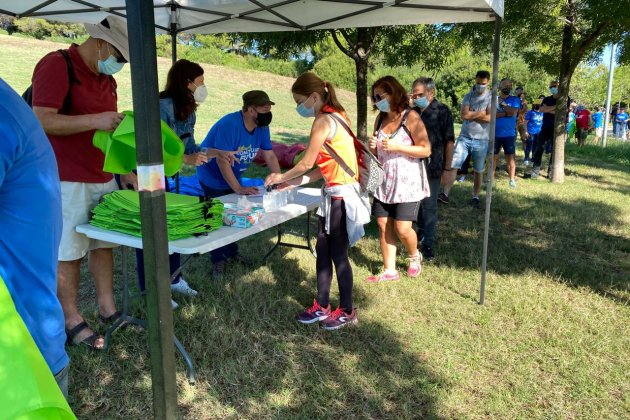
(400, 140)
(343, 210)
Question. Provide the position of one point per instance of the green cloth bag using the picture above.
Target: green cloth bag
(28, 388)
(119, 147)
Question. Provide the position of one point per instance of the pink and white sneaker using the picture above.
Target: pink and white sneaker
(383, 277)
(414, 266)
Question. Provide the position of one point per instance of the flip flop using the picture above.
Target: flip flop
(87, 341)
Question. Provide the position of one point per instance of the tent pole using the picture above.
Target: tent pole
(173, 32)
(611, 71)
(490, 165)
(144, 85)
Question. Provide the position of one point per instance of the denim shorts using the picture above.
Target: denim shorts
(508, 144)
(477, 148)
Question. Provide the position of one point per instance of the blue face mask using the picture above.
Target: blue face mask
(304, 111)
(382, 105)
(553, 90)
(109, 66)
(422, 102)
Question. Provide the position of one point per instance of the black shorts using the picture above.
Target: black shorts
(404, 212)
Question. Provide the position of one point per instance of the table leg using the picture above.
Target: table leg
(308, 246)
(190, 369)
(124, 316)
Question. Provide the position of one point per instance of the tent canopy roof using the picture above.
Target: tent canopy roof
(223, 16)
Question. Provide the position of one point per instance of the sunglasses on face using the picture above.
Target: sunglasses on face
(378, 98)
(118, 55)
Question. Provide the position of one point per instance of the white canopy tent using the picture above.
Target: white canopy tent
(145, 18)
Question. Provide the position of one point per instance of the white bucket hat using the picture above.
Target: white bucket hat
(112, 29)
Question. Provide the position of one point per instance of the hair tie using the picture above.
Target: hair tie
(326, 86)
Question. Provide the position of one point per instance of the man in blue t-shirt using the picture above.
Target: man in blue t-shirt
(505, 130)
(598, 123)
(533, 124)
(245, 131)
(621, 120)
(30, 228)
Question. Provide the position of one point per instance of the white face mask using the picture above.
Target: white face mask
(200, 94)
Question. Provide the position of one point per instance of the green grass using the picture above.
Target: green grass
(551, 342)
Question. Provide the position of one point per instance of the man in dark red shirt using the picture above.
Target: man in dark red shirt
(70, 107)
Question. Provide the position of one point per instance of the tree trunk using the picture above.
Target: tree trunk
(362, 94)
(566, 71)
(361, 59)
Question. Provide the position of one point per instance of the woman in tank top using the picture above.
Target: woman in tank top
(343, 211)
(400, 140)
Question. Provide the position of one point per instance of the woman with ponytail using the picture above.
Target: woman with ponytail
(343, 210)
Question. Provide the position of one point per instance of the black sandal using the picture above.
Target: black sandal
(87, 341)
(111, 319)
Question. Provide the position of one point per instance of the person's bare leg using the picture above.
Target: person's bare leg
(101, 267)
(510, 161)
(68, 275)
(449, 180)
(477, 181)
(388, 242)
(407, 236)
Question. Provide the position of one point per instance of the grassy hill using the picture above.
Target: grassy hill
(552, 340)
(225, 87)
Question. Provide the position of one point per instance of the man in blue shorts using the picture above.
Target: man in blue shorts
(505, 131)
(246, 131)
(473, 137)
(30, 226)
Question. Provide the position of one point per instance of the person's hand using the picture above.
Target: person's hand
(129, 181)
(527, 136)
(373, 141)
(195, 159)
(273, 178)
(389, 146)
(247, 190)
(228, 156)
(284, 186)
(107, 121)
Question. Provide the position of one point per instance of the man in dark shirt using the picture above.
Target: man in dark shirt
(546, 135)
(438, 121)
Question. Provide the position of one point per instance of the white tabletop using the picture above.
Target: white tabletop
(306, 199)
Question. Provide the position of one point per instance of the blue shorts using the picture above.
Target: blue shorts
(508, 144)
(477, 148)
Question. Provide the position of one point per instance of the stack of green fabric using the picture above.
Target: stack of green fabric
(185, 215)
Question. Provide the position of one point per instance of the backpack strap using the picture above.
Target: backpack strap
(67, 102)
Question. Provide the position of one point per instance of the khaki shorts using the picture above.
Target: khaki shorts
(77, 201)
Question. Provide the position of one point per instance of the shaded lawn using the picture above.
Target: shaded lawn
(550, 342)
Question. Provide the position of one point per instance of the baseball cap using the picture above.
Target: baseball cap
(112, 29)
(256, 98)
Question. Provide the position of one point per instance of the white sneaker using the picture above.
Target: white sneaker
(183, 288)
(174, 304)
(526, 163)
(512, 184)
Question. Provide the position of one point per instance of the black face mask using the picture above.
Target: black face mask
(263, 120)
(536, 108)
(506, 91)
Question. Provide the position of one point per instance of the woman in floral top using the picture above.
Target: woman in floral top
(400, 140)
